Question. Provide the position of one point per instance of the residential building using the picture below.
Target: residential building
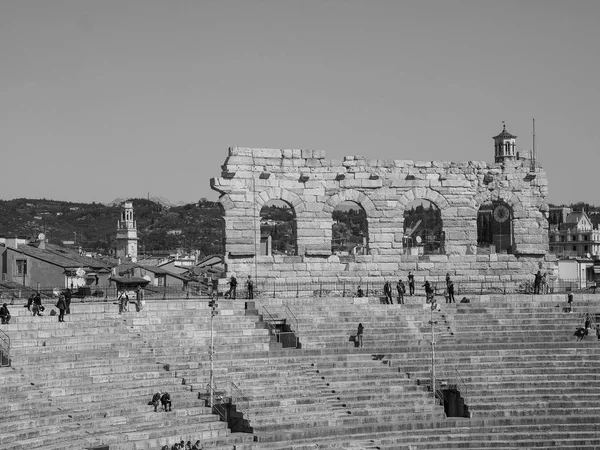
(575, 236)
(39, 264)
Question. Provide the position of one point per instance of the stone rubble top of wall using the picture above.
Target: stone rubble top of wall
(305, 160)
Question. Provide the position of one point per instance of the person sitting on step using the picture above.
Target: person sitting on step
(155, 400)
(5, 314)
(165, 399)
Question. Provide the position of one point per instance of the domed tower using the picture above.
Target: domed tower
(504, 146)
(126, 233)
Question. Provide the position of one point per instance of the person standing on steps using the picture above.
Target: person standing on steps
(62, 306)
(401, 290)
(139, 299)
(359, 335)
(451, 292)
(68, 296)
(123, 300)
(411, 284)
(250, 286)
(448, 280)
(232, 287)
(38, 308)
(428, 291)
(570, 301)
(387, 291)
(537, 282)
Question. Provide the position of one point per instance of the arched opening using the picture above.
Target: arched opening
(494, 228)
(423, 228)
(349, 233)
(278, 229)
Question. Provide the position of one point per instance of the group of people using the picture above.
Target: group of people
(123, 299)
(401, 290)
(232, 292)
(162, 398)
(184, 446)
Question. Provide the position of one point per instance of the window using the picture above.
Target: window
(585, 248)
(574, 248)
(562, 239)
(21, 267)
(585, 237)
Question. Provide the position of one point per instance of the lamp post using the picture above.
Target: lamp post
(433, 324)
(212, 303)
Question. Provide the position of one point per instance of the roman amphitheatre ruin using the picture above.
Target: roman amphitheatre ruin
(500, 368)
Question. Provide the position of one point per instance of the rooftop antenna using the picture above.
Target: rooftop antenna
(533, 150)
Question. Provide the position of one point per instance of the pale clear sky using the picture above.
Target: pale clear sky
(118, 98)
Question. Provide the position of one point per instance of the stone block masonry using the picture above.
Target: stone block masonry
(313, 186)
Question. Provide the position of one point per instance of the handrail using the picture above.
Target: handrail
(4, 348)
(297, 327)
(460, 383)
(271, 321)
(218, 399)
(240, 401)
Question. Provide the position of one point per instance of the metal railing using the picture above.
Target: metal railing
(241, 402)
(4, 349)
(288, 339)
(295, 320)
(219, 400)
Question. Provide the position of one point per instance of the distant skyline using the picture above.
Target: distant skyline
(120, 98)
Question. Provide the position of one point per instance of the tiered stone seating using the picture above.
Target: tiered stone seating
(528, 382)
(88, 380)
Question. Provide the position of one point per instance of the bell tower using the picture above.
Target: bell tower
(126, 233)
(504, 146)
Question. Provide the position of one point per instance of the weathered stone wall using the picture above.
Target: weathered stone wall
(314, 186)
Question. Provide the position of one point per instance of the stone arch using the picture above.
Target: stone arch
(362, 200)
(426, 194)
(277, 193)
(494, 196)
(351, 195)
(423, 193)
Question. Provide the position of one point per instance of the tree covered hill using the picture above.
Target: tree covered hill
(93, 226)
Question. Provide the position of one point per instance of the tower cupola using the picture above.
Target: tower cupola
(504, 146)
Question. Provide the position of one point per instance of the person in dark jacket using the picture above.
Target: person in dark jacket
(250, 286)
(359, 335)
(387, 291)
(411, 284)
(156, 400)
(232, 287)
(62, 306)
(401, 290)
(165, 400)
(537, 282)
(428, 291)
(68, 296)
(38, 308)
(5, 314)
(30, 302)
(451, 292)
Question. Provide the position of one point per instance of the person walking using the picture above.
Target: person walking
(401, 290)
(448, 280)
(250, 286)
(61, 304)
(359, 335)
(411, 284)
(5, 314)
